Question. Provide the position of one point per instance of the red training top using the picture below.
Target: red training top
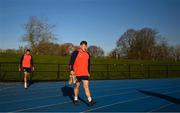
(26, 61)
(81, 63)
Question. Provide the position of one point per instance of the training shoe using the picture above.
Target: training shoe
(75, 102)
(91, 103)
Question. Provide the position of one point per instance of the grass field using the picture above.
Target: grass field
(65, 60)
(47, 68)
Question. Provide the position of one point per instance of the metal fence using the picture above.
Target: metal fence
(53, 71)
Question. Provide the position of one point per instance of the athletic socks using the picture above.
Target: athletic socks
(75, 98)
(25, 82)
(25, 85)
(89, 99)
(91, 102)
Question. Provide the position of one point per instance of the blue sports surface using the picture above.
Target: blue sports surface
(143, 95)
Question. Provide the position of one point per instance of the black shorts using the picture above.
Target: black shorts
(27, 70)
(80, 78)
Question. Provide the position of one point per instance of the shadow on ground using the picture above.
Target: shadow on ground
(69, 91)
(162, 96)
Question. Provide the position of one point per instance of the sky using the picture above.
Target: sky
(100, 22)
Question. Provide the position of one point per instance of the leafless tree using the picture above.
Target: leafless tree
(137, 44)
(96, 51)
(38, 30)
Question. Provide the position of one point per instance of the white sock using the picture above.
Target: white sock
(25, 84)
(75, 98)
(89, 99)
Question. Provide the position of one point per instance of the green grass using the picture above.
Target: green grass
(65, 60)
(46, 67)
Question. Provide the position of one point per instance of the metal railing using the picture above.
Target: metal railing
(53, 71)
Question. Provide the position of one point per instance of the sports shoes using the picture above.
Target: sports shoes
(91, 103)
(75, 102)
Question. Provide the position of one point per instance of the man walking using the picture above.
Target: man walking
(80, 67)
(26, 63)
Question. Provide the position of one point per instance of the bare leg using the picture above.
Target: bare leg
(86, 88)
(87, 92)
(25, 79)
(76, 89)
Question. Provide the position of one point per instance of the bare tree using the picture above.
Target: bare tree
(96, 51)
(67, 49)
(162, 50)
(177, 53)
(115, 54)
(124, 43)
(137, 44)
(48, 48)
(36, 31)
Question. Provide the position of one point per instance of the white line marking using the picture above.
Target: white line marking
(161, 107)
(116, 103)
(8, 102)
(53, 87)
(35, 92)
(144, 97)
(71, 101)
(42, 106)
(95, 98)
(62, 96)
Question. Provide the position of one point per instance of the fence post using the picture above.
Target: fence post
(167, 71)
(58, 73)
(148, 71)
(107, 71)
(129, 71)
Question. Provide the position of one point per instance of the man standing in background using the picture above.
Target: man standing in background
(26, 64)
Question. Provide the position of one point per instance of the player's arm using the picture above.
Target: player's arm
(72, 60)
(89, 64)
(20, 62)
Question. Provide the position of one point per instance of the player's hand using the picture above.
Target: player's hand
(32, 68)
(19, 69)
(72, 73)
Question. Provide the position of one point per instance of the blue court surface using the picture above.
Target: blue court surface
(150, 95)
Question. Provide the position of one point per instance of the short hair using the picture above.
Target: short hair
(27, 50)
(83, 42)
